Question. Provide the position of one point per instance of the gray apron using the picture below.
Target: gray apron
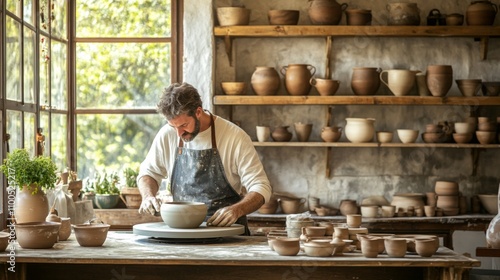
(198, 175)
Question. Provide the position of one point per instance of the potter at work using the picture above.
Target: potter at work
(206, 158)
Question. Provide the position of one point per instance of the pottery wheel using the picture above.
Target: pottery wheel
(161, 230)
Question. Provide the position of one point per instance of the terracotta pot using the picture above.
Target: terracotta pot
(404, 200)
(325, 87)
(399, 81)
(369, 211)
(91, 235)
(30, 207)
(331, 133)
(358, 17)
(370, 247)
(341, 232)
(318, 248)
(325, 12)
(348, 206)
(446, 188)
(353, 220)
(403, 14)
(281, 134)
(229, 16)
(454, 19)
(303, 131)
(439, 79)
(365, 80)
(447, 201)
(425, 247)
(131, 197)
(265, 81)
(37, 235)
(359, 130)
(481, 13)
(395, 247)
(314, 231)
(283, 17)
(297, 77)
(291, 205)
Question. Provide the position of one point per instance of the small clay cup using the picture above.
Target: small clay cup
(315, 231)
(430, 210)
(425, 247)
(286, 246)
(91, 235)
(388, 211)
(354, 220)
(65, 229)
(369, 246)
(395, 247)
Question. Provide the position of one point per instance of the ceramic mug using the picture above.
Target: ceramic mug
(263, 133)
(399, 81)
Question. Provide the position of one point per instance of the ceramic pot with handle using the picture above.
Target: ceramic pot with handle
(297, 78)
(399, 81)
(265, 81)
(325, 12)
(481, 13)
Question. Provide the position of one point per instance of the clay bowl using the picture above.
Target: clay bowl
(4, 241)
(483, 119)
(395, 247)
(433, 128)
(37, 235)
(369, 211)
(429, 137)
(183, 214)
(318, 248)
(322, 211)
(447, 201)
(469, 87)
(91, 235)
(384, 136)
(283, 17)
(454, 19)
(487, 126)
(489, 202)
(286, 246)
(486, 137)
(315, 231)
(464, 127)
(358, 17)
(233, 88)
(462, 138)
(490, 88)
(446, 188)
(425, 247)
(229, 16)
(407, 135)
(269, 207)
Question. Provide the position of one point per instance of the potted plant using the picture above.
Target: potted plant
(106, 190)
(31, 177)
(130, 192)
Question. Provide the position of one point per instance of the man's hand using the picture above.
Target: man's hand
(150, 205)
(224, 217)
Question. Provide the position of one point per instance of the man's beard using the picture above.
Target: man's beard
(188, 137)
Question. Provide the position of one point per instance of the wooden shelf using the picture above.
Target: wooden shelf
(487, 252)
(351, 31)
(374, 145)
(354, 100)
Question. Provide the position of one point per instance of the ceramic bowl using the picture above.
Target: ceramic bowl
(37, 235)
(229, 16)
(485, 137)
(407, 135)
(447, 201)
(181, 214)
(91, 235)
(462, 138)
(487, 126)
(490, 88)
(433, 128)
(283, 17)
(369, 211)
(384, 136)
(446, 188)
(454, 19)
(286, 246)
(469, 87)
(425, 247)
(315, 231)
(4, 241)
(233, 88)
(489, 202)
(318, 248)
(464, 127)
(431, 137)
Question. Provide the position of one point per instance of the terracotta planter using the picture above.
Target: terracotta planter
(365, 80)
(297, 78)
(481, 13)
(265, 81)
(30, 207)
(131, 197)
(325, 12)
(106, 201)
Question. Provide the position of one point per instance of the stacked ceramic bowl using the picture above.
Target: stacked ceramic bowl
(486, 131)
(433, 134)
(447, 197)
(464, 131)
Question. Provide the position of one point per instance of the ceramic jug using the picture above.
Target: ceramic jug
(325, 12)
(359, 130)
(481, 13)
(281, 134)
(493, 232)
(265, 81)
(399, 81)
(403, 14)
(297, 77)
(365, 80)
(331, 133)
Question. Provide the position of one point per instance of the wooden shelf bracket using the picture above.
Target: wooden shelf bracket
(483, 48)
(328, 64)
(228, 43)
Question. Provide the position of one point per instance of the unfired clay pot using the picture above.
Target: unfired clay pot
(265, 81)
(439, 79)
(180, 214)
(325, 12)
(365, 80)
(369, 247)
(91, 235)
(395, 247)
(348, 206)
(37, 235)
(331, 133)
(281, 134)
(481, 13)
(297, 77)
(286, 246)
(359, 130)
(290, 205)
(425, 247)
(30, 207)
(318, 248)
(358, 17)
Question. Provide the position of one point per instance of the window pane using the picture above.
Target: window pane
(109, 142)
(59, 91)
(14, 6)
(13, 59)
(59, 18)
(29, 132)
(29, 65)
(44, 124)
(44, 15)
(14, 128)
(121, 75)
(59, 140)
(126, 18)
(44, 70)
(29, 12)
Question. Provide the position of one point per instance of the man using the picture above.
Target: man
(207, 159)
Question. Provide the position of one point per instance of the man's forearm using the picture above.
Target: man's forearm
(148, 187)
(250, 203)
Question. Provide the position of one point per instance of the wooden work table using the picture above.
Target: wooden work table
(128, 256)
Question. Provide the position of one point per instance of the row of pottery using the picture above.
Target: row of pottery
(329, 12)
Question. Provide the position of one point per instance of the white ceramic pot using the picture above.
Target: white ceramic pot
(359, 130)
(183, 214)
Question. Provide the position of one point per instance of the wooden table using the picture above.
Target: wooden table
(127, 256)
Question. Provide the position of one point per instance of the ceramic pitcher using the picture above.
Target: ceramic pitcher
(399, 81)
(481, 13)
(365, 80)
(297, 77)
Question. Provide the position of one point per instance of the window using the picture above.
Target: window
(124, 54)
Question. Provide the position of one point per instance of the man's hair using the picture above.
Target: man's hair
(178, 99)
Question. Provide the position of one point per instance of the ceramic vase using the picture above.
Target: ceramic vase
(481, 13)
(365, 80)
(281, 134)
(493, 232)
(331, 133)
(31, 207)
(265, 81)
(348, 206)
(297, 77)
(263, 133)
(359, 130)
(325, 12)
(439, 79)
(303, 131)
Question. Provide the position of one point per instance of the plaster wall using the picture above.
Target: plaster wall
(356, 172)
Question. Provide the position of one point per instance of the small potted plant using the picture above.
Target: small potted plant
(130, 192)
(30, 177)
(106, 190)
